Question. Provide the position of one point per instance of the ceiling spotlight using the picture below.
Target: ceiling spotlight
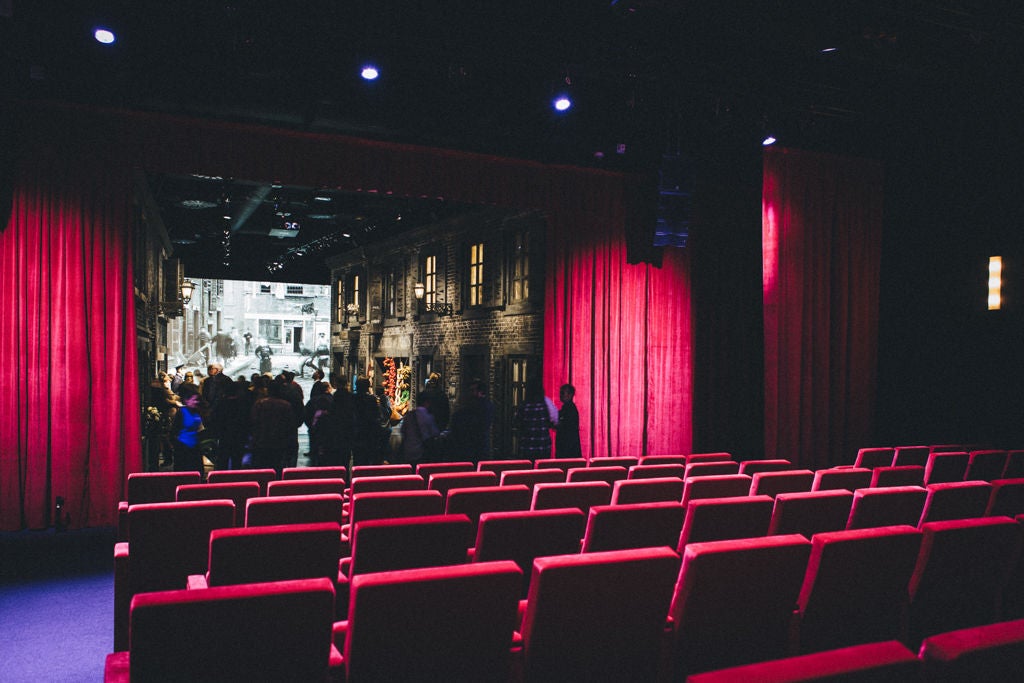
(369, 72)
(768, 141)
(104, 36)
(562, 103)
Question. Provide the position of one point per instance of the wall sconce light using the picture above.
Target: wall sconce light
(995, 283)
(187, 288)
(418, 291)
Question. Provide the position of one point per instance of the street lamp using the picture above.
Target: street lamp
(418, 290)
(187, 287)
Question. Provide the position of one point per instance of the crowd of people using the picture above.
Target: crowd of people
(254, 422)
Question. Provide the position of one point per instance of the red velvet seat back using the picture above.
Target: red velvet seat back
(322, 472)
(657, 490)
(945, 466)
(499, 466)
(903, 475)
(261, 632)
(582, 495)
(524, 536)
(274, 553)
(394, 505)
(1014, 465)
(305, 487)
(955, 500)
(855, 588)
(663, 460)
(381, 470)
(642, 525)
(870, 458)
(157, 487)
(985, 465)
(531, 478)
(751, 467)
(736, 592)
(774, 483)
(395, 482)
(425, 469)
(849, 478)
(615, 461)
(960, 575)
(911, 455)
(610, 474)
(380, 545)
(886, 506)
(811, 512)
(1007, 498)
(657, 471)
(564, 464)
(711, 468)
(597, 616)
(718, 456)
(475, 501)
(446, 481)
(261, 476)
(451, 624)
(993, 652)
(321, 507)
(716, 486)
(238, 492)
(720, 519)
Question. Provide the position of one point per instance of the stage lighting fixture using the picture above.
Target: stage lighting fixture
(562, 103)
(104, 35)
(768, 141)
(369, 72)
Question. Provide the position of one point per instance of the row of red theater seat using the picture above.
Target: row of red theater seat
(601, 616)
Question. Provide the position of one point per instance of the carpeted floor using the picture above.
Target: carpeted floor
(56, 605)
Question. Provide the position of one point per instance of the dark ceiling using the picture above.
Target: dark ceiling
(648, 77)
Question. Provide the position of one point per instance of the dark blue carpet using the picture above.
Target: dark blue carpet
(56, 605)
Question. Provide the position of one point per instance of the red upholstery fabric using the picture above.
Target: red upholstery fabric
(751, 467)
(885, 662)
(258, 632)
(663, 460)
(381, 470)
(305, 487)
(720, 519)
(1013, 596)
(960, 575)
(642, 525)
(719, 456)
(261, 476)
(169, 541)
(993, 652)
(389, 544)
(523, 536)
(662, 489)
(615, 461)
(811, 512)
(1014, 465)
(985, 465)
(580, 495)
(886, 506)
(911, 455)
(597, 616)
(425, 469)
(945, 466)
(955, 500)
(150, 487)
(710, 468)
(531, 478)
(395, 504)
(786, 481)
(274, 553)
(902, 475)
(715, 486)
(438, 624)
(734, 600)
(238, 492)
(1007, 498)
(323, 472)
(318, 507)
(560, 463)
(396, 482)
(499, 466)
(446, 481)
(849, 478)
(657, 471)
(475, 501)
(610, 474)
(870, 458)
(855, 588)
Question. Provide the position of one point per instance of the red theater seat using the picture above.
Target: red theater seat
(659, 490)
(597, 616)
(169, 542)
(734, 601)
(305, 487)
(476, 500)
(580, 495)
(395, 505)
(321, 507)
(322, 472)
(238, 493)
(716, 486)
(855, 588)
(718, 456)
(446, 481)
(657, 471)
(381, 470)
(721, 519)
(1007, 498)
(945, 466)
(594, 473)
(911, 455)
(550, 475)
(425, 469)
(258, 632)
(985, 465)
(849, 478)
(499, 466)
(663, 460)
(564, 464)
(955, 500)
(886, 662)
(452, 624)
(904, 475)
(886, 506)
(643, 525)
(524, 536)
(711, 468)
(615, 461)
(870, 458)
(151, 487)
(1014, 465)
(993, 652)
(811, 512)
(260, 476)
(396, 482)
(960, 574)
(752, 467)
(774, 483)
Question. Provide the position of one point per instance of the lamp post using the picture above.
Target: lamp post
(419, 290)
(187, 287)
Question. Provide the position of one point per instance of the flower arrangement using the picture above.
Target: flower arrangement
(390, 378)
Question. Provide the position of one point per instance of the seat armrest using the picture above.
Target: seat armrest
(197, 582)
(345, 565)
(338, 633)
(122, 596)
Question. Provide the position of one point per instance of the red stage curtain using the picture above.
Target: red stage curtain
(69, 394)
(628, 347)
(821, 231)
